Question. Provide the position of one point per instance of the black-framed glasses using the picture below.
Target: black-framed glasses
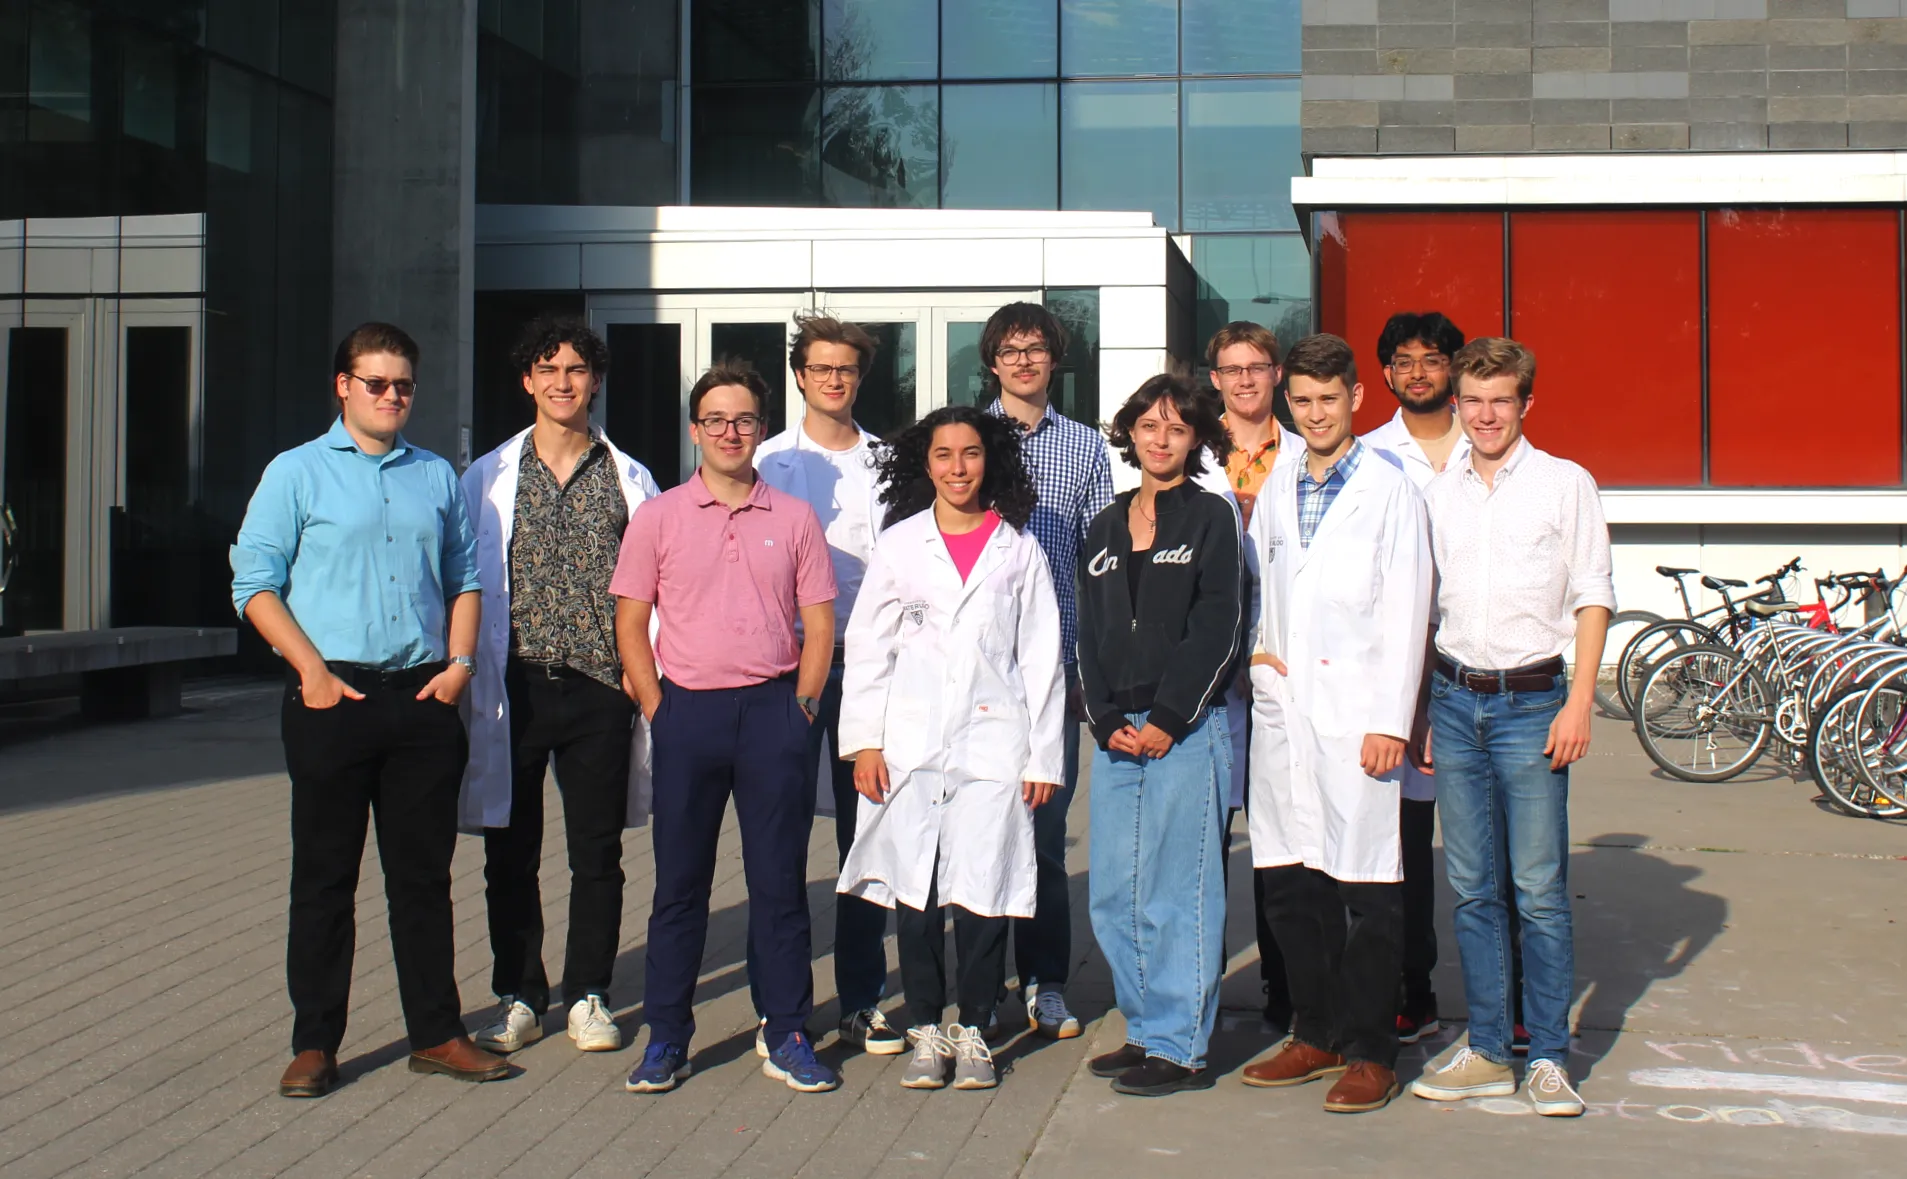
(376, 386)
(1232, 372)
(746, 426)
(823, 372)
(1433, 362)
(1037, 354)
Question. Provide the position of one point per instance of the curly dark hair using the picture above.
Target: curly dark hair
(1193, 407)
(1006, 486)
(542, 336)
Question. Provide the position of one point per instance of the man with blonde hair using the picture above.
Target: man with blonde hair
(1506, 722)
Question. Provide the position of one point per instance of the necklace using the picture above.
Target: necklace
(1150, 519)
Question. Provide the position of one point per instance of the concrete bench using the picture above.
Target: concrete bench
(124, 672)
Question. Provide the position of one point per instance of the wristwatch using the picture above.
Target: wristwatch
(468, 663)
(809, 705)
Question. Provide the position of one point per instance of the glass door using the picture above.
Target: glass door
(643, 404)
(934, 336)
(168, 562)
(45, 356)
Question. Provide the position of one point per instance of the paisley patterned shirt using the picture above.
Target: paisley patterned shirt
(562, 551)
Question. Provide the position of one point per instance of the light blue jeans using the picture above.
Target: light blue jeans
(1158, 886)
(1505, 820)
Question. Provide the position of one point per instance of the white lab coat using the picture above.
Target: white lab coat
(1347, 615)
(1393, 442)
(959, 685)
(490, 491)
(1237, 707)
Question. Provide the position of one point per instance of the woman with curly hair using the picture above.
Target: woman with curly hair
(951, 706)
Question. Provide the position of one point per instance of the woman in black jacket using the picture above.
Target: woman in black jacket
(1161, 617)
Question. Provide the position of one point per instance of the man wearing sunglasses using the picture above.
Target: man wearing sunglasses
(358, 564)
(827, 461)
(729, 566)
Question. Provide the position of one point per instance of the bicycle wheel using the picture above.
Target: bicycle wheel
(1649, 647)
(1623, 629)
(1704, 714)
(1849, 730)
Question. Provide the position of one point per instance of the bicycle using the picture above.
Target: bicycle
(1665, 637)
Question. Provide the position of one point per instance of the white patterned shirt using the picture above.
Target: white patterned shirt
(1516, 561)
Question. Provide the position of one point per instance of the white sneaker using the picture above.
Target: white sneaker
(591, 1027)
(761, 1037)
(932, 1060)
(1551, 1093)
(517, 1027)
(973, 1060)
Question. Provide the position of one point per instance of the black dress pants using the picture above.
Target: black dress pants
(401, 759)
(1417, 824)
(1343, 974)
(920, 936)
(585, 725)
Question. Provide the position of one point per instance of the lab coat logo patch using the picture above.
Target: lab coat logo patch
(915, 613)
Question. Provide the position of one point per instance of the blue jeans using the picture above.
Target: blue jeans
(1506, 824)
(1158, 886)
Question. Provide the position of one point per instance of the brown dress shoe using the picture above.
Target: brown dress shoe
(312, 1073)
(1294, 1064)
(460, 1060)
(1363, 1087)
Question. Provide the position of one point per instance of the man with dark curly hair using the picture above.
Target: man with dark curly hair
(550, 506)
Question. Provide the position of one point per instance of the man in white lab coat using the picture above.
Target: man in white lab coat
(1343, 600)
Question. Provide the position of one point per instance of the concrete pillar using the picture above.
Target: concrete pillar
(404, 239)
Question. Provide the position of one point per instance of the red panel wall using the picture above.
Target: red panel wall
(1804, 319)
(1376, 264)
(1611, 303)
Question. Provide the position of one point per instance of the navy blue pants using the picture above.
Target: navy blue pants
(753, 743)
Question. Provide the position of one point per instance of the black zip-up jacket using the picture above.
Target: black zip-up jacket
(1172, 655)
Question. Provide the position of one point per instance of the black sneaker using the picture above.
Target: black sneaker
(1418, 1020)
(1156, 1078)
(869, 1031)
(1119, 1060)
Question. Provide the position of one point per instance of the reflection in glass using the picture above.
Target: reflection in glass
(878, 147)
(246, 30)
(1118, 37)
(307, 40)
(151, 110)
(999, 146)
(626, 105)
(886, 400)
(754, 40)
(755, 147)
(879, 39)
(762, 347)
(228, 118)
(966, 376)
(60, 71)
(999, 39)
(35, 470)
(1262, 278)
(1119, 147)
(1240, 36)
(1075, 388)
(1241, 150)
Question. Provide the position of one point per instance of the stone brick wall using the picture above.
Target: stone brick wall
(1601, 75)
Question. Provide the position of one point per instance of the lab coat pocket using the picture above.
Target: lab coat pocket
(996, 739)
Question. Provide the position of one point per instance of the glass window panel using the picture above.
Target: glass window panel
(966, 379)
(999, 146)
(999, 38)
(60, 71)
(1118, 37)
(879, 147)
(1119, 147)
(160, 165)
(764, 348)
(246, 30)
(154, 577)
(755, 147)
(1241, 151)
(643, 410)
(228, 123)
(886, 399)
(879, 39)
(754, 40)
(307, 40)
(626, 120)
(13, 164)
(1075, 387)
(1240, 36)
(35, 401)
(151, 92)
(1264, 279)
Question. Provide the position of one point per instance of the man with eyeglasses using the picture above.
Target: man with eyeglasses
(357, 563)
(1421, 439)
(1021, 347)
(728, 565)
(827, 461)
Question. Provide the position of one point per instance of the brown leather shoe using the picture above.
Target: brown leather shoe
(460, 1060)
(1363, 1087)
(1294, 1064)
(312, 1073)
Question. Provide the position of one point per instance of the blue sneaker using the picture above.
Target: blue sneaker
(662, 1066)
(794, 1063)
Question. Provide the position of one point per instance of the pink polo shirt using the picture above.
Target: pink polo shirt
(727, 585)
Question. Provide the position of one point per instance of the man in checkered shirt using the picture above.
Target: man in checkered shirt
(1021, 347)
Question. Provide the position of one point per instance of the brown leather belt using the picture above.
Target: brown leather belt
(1532, 677)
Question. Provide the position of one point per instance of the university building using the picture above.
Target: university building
(1691, 209)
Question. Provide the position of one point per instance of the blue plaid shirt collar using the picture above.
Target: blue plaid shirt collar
(1315, 496)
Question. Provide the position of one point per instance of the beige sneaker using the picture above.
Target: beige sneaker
(1551, 1093)
(1467, 1075)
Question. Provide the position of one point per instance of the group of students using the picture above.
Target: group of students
(1290, 622)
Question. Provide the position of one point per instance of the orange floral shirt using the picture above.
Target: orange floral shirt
(1247, 469)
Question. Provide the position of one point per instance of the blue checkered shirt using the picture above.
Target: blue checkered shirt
(1315, 496)
(1072, 475)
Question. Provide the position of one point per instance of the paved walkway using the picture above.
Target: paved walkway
(1737, 948)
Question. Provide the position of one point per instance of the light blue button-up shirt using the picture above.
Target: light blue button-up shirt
(366, 550)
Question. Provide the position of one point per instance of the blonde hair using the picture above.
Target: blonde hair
(1496, 356)
(1242, 331)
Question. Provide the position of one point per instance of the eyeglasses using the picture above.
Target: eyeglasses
(1037, 354)
(1232, 372)
(375, 386)
(823, 372)
(1433, 363)
(746, 426)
